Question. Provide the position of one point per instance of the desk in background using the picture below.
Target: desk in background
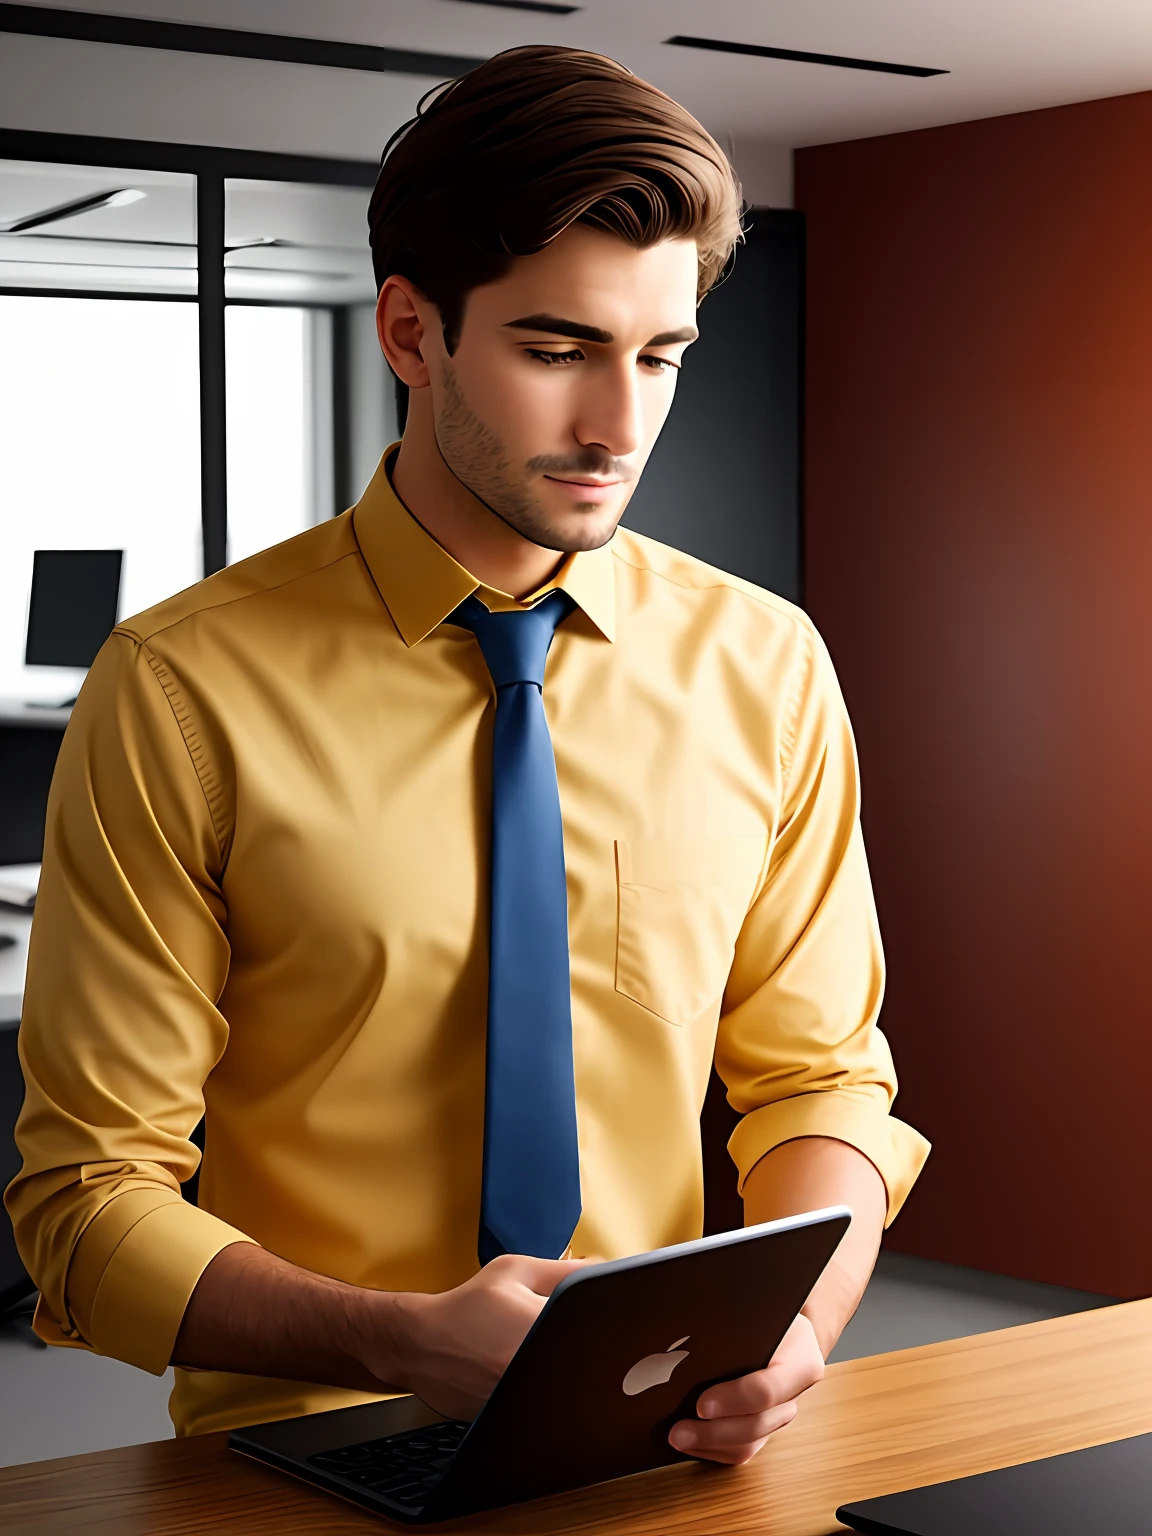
(13, 963)
(873, 1426)
(13, 1281)
(29, 741)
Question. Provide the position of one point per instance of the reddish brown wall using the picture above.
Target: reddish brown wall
(979, 557)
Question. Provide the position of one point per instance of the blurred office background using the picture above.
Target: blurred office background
(918, 407)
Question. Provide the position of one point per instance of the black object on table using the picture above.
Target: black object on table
(1105, 1491)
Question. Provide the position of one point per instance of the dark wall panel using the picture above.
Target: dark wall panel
(979, 557)
(723, 481)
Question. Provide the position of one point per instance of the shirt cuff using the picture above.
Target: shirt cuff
(854, 1116)
(133, 1272)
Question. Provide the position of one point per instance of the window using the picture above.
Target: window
(279, 382)
(99, 396)
(296, 257)
(188, 364)
(100, 443)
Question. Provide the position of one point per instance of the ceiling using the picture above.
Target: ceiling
(1001, 55)
(306, 243)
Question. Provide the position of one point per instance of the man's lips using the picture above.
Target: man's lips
(602, 485)
(584, 492)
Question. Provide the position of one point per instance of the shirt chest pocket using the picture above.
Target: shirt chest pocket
(680, 906)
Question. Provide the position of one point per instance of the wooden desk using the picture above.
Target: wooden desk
(871, 1427)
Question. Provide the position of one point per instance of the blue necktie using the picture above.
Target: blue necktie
(530, 1192)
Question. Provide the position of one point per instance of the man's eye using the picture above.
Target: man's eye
(549, 359)
(662, 364)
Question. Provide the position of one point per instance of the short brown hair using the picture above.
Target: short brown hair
(502, 160)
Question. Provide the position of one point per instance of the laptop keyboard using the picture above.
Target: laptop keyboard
(404, 1468)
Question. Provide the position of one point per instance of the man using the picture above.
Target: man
(434, 855)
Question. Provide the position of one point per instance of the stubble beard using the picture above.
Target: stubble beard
(480, 460)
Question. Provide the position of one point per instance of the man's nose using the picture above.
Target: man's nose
(611, 414)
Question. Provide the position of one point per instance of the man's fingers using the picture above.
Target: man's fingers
(796, 1366)
(539, 1275)
(735, 1457)
(759, 1392)
(721, 1438)
(732, 1456)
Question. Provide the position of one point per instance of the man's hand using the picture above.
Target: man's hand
(452, 1348)
(255, 1313)
(737, 1417)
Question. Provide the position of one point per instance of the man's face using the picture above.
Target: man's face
(561, 381)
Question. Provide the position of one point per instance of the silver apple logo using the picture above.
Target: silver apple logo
(655, 1369)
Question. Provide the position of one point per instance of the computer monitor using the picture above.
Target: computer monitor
(72, 611)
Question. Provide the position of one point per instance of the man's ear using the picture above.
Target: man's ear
(405, 323)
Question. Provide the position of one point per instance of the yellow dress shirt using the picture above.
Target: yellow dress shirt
(263, 900)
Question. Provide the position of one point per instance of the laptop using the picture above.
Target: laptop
(619, 1352)
(1104, 1491)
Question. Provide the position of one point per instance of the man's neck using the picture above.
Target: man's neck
(481, 542)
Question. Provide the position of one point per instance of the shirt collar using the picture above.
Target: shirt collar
(421, 583)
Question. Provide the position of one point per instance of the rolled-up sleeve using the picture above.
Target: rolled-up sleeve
(798, 1047)
(120, 1028)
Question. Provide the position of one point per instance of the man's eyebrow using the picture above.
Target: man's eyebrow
(556, 325)
(666, 338)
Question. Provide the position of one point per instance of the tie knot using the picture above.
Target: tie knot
(514, 644)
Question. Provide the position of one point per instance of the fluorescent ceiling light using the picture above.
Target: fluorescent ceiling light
(840, 61)
(547, 6)
(118, 197)
(125, 196)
